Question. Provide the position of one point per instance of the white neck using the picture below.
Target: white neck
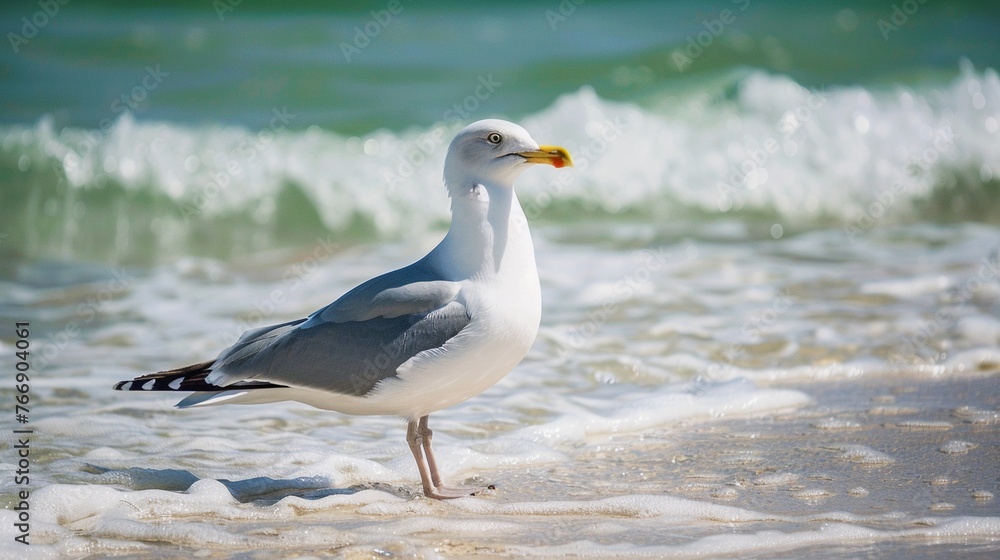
(488, 235)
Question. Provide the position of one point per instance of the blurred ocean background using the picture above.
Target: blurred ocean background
(122, 128)
(783, 214)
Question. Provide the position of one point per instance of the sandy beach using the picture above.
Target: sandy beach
(885, 468)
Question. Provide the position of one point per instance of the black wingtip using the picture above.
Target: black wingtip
(192, 378)
(170, 380)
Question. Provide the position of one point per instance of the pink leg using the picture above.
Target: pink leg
(413, 439)
(425, 435)
(418, 436)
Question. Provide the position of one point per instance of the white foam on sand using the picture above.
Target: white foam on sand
(162, 504)
(135, 511)
(78, 520)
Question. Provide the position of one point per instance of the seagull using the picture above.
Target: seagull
(415, 340)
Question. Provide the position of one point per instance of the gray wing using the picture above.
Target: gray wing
(355, 342)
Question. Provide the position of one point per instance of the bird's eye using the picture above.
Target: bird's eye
(494, 138)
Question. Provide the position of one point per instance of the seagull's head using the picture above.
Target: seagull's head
(495, 152)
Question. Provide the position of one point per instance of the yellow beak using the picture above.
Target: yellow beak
(552, 155)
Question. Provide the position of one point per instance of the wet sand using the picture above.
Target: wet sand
(869, 469)
(889, 455)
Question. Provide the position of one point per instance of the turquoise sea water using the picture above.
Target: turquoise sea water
(771, 285)
(123, 130)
